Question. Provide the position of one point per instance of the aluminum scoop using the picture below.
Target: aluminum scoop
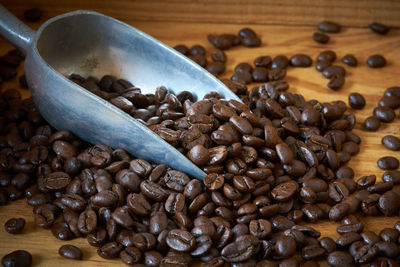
(90, 43)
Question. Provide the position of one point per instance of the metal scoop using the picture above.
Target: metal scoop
(90, 43)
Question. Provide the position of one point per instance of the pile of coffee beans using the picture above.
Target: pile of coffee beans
(272, 162)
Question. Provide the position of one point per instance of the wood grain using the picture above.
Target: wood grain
(286, 40)
(357, 13)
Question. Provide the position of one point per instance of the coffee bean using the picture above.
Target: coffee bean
(336, 82)
(356, 101)
(240, 250)
(389, 203)
(285, 191)
(321, 65)
(393, 91)
(350, 60)
(376, 61)
(33, 14)
(285, 246)
(372, 123)
(391, 176)
(388, 163)
(332, 71)
(300, 60)
(218, 56)
(110, 250)
(21, 258)
(280, 62)
(391, 142)
(329, 27)
(389, 102)
(385, 114)
(213, 181)
(180, 240)
(242, 76)
(70, 252)
(379, 28)
(14, 225)
(327, 55)
(320, 37)
(340, 258)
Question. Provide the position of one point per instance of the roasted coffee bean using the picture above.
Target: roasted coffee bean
(372, 123)
(356, 101)
(313, 252)
(347, 228)
(61, 231)
(70, 252)
(340, 258)
(347, 239)
(242, 76)
(20, 258)
(391, 176)
(180, 240)
(260, 228)
(390, 102)
(175, 203)
(327, 55)
(280, 62)
(320, 37)
(376, 61)
(328, 244)
(385, 114)
(260, 75)
(241, 250)
(14, 225)
(33, 14)
(333, 71)
(350, 60)
(87, 221)
(329, 27)
(387, 249)
(285, 191)
(300, 60)
(366, 181)
(218, 56)
(336, 82)
(388, 163)
(389, 203)
(131, 255)
(379, 28)
(285, 246)
(110, 250)
(321, 65)
(262, 61)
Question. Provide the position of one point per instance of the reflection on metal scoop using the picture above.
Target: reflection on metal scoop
(90, 43)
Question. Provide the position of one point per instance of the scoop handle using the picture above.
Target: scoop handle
(15, 31)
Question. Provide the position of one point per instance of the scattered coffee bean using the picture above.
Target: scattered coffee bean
(70, 252)
(388, 163)
(15, 225)
(320, 37)
(379, 28)
(33, 14)
(20, 258)
(372, 123)
(356, 101)
(329, 27)
(376, 61)
(350, 60)
(300, 60)
(391, 142)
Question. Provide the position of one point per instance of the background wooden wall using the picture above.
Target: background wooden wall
(356, 13)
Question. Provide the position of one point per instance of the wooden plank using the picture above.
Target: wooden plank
(286, 40)
(304, 12)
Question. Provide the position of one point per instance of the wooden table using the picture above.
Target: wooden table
(277, 39)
